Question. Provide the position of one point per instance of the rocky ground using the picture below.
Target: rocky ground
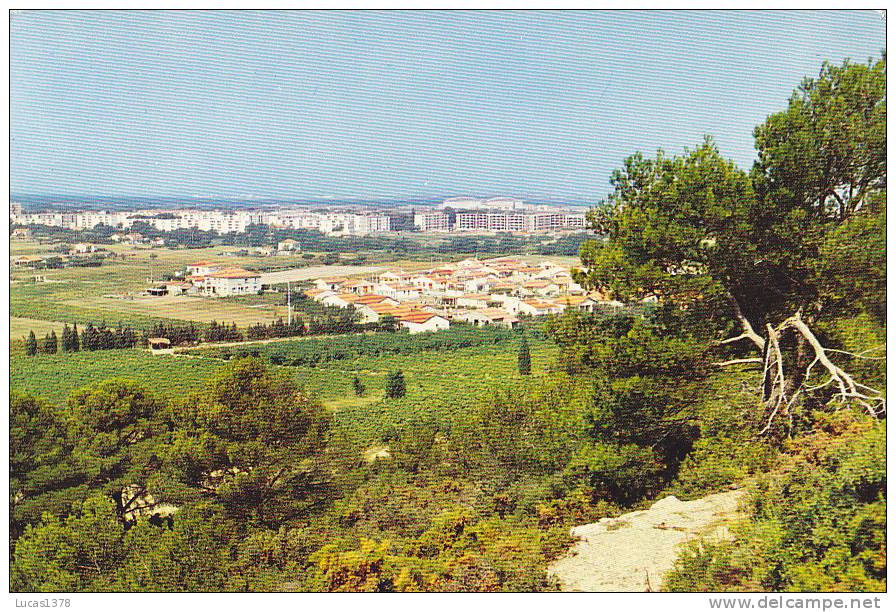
(634, 551)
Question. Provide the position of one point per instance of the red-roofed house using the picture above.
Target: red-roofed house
(419, 321)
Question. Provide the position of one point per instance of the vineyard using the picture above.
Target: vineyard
(441, 386)
(313, 351)
(447, 373)
(55, 376)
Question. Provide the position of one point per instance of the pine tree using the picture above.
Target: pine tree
(358, 386)
(395, 386)
(75, 341)
(31, 344)
(524, 359)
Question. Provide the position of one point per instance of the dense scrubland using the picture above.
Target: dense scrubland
(760, 364)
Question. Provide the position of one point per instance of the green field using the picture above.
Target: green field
(440, 384)
(54, 376)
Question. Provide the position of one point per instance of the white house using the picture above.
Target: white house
(232, 281)
(392, 276)
(329, 283)
(473, 300)
(420, 321)
(540, 287)
(585, 303)
(358, 286)
(538, 308)
(373, 311)
(288, 245)
(480, 283)
(318, 295)
(83, 247)
(489, 316)
(401, 293)
(428, 283)
(341, 300)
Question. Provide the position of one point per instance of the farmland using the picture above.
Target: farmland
(77, 294)
(20, 326)
(111, 292)
(183, 308)
(441, 384)
(55, 376)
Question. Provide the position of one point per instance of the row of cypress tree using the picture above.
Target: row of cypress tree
(92, 338)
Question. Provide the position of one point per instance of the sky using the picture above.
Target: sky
(533, 104)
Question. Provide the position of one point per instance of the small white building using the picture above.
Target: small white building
(83, 247)
(372, 312)
(402, 293)
(480, 283)
(538, 308)
(585, 303)
(340, 300)
(319, 295)
(473, 300)
(427, 283)
(332, 283)
(392, 276)
(288, 245)
(360, 287)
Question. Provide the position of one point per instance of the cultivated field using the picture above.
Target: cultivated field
(111, 293)
(185, 308)
(20, 326)
(441, 385)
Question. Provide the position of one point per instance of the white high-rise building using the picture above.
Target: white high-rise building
(432, 222)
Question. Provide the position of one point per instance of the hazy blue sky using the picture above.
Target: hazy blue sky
(377, 104)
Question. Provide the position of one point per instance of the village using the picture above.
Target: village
(479, 292)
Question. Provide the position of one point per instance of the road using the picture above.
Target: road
(303, 274)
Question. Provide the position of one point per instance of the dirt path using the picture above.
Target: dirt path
(204, 345)
(634, 551)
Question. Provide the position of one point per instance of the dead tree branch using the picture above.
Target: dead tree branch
(722, 364)
(749, 332)
(775, 383)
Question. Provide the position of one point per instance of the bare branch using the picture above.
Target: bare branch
(749, 332)
(862, 354)
(730, 340)
(722, 364)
